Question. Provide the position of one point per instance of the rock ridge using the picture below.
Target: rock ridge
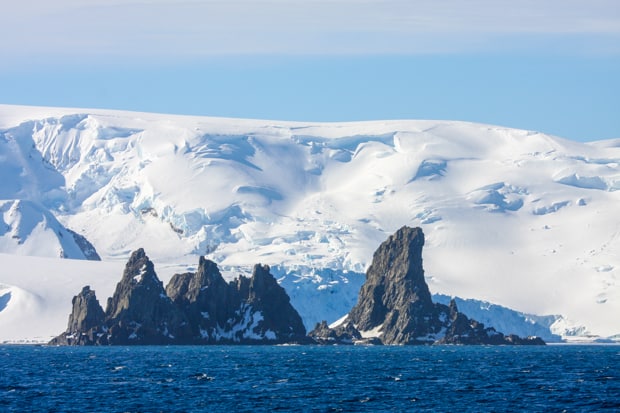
(194, 308)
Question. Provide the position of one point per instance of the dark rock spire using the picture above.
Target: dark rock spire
(85, 321)
(395, 306)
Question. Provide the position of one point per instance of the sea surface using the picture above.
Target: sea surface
(309, 378)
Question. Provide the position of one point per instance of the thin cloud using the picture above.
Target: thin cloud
(169, 29)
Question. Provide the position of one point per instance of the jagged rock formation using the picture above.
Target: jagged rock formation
(246, 310)
(463, 330)
(394, 307)
(343, 334)
(395, 304)
(195, 308)
(395, 295)
(140, 312)
(86, 321)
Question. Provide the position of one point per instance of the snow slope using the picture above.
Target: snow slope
(513, 217)
(26, 228)
(36, 293)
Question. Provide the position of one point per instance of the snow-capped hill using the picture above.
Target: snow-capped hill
(15, 301)
(26, 228)
(512, 217)
(36, 293)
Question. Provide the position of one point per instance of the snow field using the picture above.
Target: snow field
(513, 217)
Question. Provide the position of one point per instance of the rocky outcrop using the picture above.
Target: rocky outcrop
(195, 308)
(395, 298)
(246, 310)
(395, 304)
(394, 307)
(204, 296)
(140, 312)
(343, 334)
(265, 296)
(86, 321)
(462, 330)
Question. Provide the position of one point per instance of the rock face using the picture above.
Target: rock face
(395, 305)
(395, 297)
(86, 322)
(343, 334)
(195, 308)
(140, 312)
(247, 310)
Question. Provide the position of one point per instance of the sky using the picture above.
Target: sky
(551, 66)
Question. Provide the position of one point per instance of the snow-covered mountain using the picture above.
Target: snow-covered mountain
(27, 228)
(513, 217)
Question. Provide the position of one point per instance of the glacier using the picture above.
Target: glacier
(517, 218)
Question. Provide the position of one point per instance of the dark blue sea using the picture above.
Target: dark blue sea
(309, 378)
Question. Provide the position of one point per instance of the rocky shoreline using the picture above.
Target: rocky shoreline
(394, 307)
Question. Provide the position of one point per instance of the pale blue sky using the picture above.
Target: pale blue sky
(551, 66)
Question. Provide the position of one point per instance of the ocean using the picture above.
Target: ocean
(554, 378)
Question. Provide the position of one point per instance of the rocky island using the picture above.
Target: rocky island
(195, 308)
(394, 307)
